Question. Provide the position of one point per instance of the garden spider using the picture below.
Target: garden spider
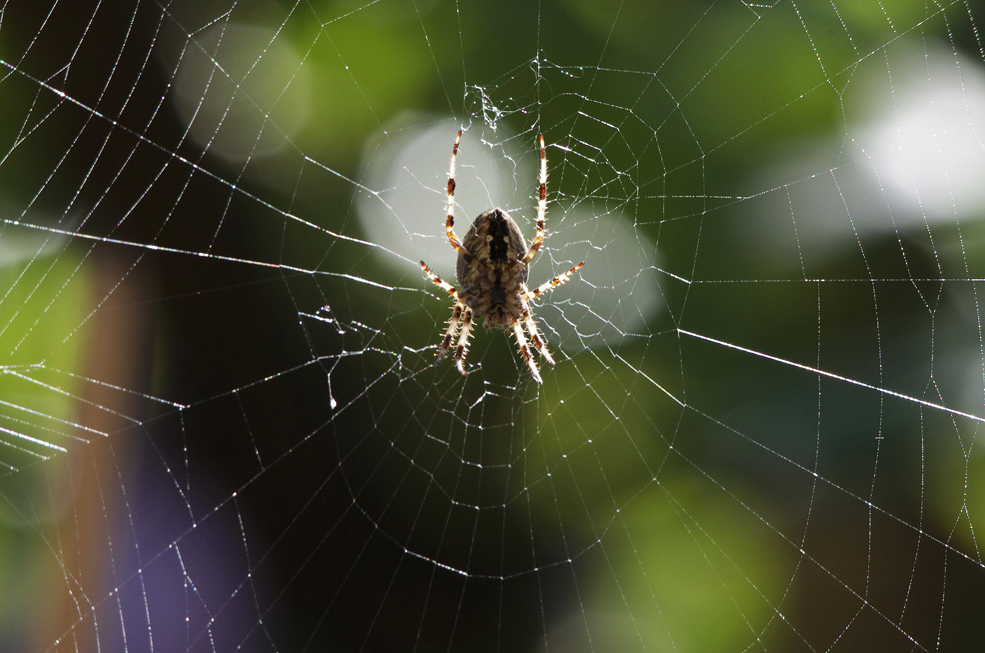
(493, 263)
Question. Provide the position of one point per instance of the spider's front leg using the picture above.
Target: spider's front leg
(521, 341)
(535, 337)
(463, 340)
(453, 324)
(461, 317)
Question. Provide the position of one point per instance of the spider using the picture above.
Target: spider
(493, 264)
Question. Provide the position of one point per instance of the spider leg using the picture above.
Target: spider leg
(525, 351)
(541, 206)
(535, 337)
(463, 339)
(456, 317)
(552, 284)
(453, 324)
(450, 220)
(444, 285)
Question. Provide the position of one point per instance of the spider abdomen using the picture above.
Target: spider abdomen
(495, 242)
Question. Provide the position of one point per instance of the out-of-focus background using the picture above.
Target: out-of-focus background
(220, 423)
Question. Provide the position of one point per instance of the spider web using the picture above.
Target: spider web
(220, 423)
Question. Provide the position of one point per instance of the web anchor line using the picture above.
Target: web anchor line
(832, 375)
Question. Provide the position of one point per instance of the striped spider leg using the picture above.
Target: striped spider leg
(461, 317)
(524, 298)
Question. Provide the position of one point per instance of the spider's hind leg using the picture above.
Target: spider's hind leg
(450, 218)
(538, 240)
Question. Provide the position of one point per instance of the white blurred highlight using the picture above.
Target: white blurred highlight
(240, 89)
(925, 139)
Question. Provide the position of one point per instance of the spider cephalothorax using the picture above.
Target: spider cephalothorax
(493, 265)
